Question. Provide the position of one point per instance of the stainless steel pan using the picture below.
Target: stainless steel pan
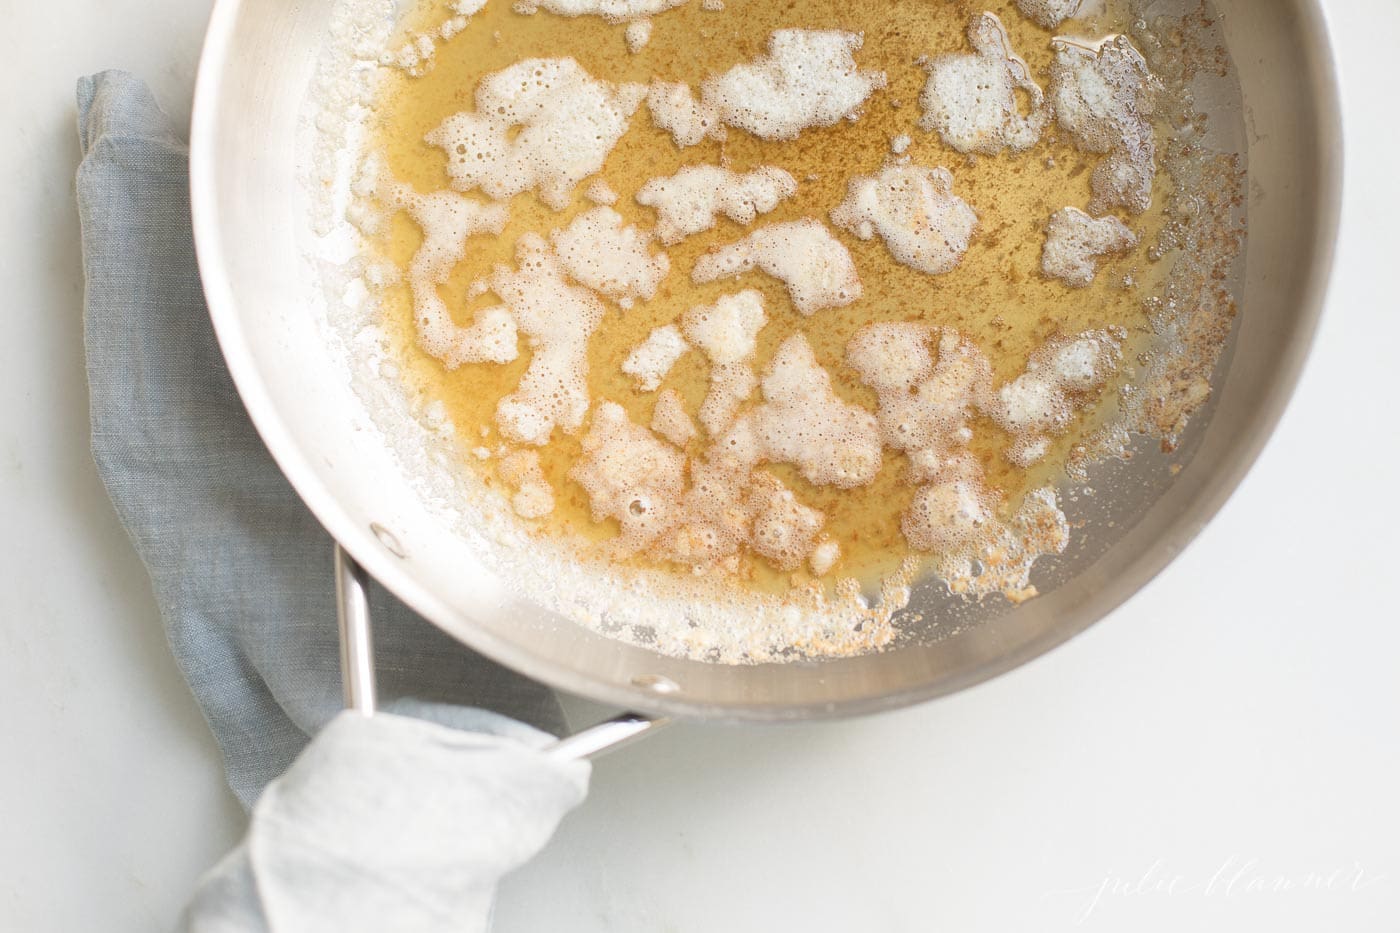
(258, 63)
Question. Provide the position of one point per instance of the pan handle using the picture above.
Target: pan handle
(357, 671)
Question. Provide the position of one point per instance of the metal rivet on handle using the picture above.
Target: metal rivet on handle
(656, 683)
(386, 538)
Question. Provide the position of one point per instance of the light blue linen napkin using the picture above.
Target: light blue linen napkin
(241, 570)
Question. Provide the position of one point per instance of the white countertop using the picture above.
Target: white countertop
(1211, 757)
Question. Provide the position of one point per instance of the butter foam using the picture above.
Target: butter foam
(913, 209)
(1074, 242)
(653, 358)
(971, 99)
(807, 78)
(448, 220)
(1048, 13)
(1104, 97)
(816, 267)
(557, 318)
(568, 123)
(689, 201)
(600, 251)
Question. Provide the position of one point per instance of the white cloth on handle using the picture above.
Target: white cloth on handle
(389, 824)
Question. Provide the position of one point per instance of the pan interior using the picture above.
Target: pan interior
(336, 423)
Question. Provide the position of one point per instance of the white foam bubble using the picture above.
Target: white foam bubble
(913, 209)
(568, 123)
(824, 557)
(557, 319)
(891, 357)
(637, 35)
(1057, 381)
(452, 27)
(926, 405)
(715, 519)
(816, 267)
(614, 11)
(900, 143)
(952, 513)
(731, 384)
(669, 419)
(448, 220)
(1103, 95)
(600, 251)
(727, 333)
(971, 99)
(533, 497)
(977, 552)
(1074, 241)
(784, 530)
(652, 359)
(1049, 13)
(689, 201)
(600, 192)
(634, 478)
(416, 55)
(727, 330)
(728, 508)
(630, 476)
(808, 78)
(925, 410)
(803, 422)
(675, 109)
